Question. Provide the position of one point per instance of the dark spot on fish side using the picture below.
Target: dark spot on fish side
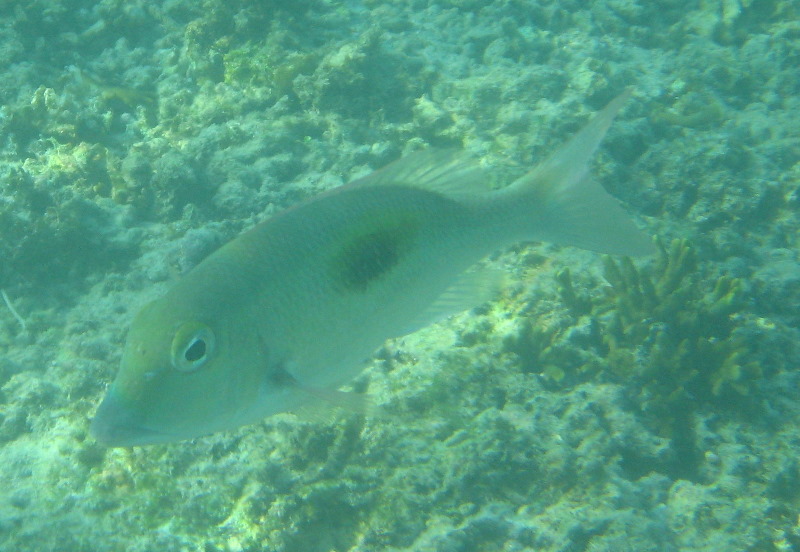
(371, 255)
(279, 377)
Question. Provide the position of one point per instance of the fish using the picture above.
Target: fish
(289, 311)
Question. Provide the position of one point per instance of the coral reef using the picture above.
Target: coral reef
(612, 404)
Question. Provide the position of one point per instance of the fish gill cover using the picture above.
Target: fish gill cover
(599, 404)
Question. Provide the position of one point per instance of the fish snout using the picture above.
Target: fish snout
(116, 425)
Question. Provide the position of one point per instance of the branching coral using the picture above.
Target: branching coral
(674, 329)
(671, 332)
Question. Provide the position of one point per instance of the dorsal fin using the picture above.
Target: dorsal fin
(449, 172)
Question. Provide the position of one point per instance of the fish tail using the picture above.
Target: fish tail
(559, 202)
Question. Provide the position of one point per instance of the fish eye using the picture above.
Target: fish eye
(192, 346)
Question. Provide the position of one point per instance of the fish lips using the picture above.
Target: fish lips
(115, 425)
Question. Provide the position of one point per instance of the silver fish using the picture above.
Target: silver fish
(287, 312)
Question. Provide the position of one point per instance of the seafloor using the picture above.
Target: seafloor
(599, 405)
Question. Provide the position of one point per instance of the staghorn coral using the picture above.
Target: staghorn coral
(675, 335)
(675, 329)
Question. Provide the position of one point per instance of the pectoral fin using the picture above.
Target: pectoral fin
(322, 405)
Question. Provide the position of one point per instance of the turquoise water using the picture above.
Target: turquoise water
(599, 404)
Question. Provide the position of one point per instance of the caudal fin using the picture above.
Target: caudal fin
(566, 206)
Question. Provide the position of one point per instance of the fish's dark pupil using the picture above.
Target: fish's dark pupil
(195, 351)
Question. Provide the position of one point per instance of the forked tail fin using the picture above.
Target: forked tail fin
(564, 205)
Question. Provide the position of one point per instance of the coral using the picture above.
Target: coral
(52, 232)
(575, 414)
(673, 333)
(56, 215)
(676, 331)
(269, 66)
(113, 100)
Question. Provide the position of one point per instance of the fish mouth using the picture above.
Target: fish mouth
(114, 425)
